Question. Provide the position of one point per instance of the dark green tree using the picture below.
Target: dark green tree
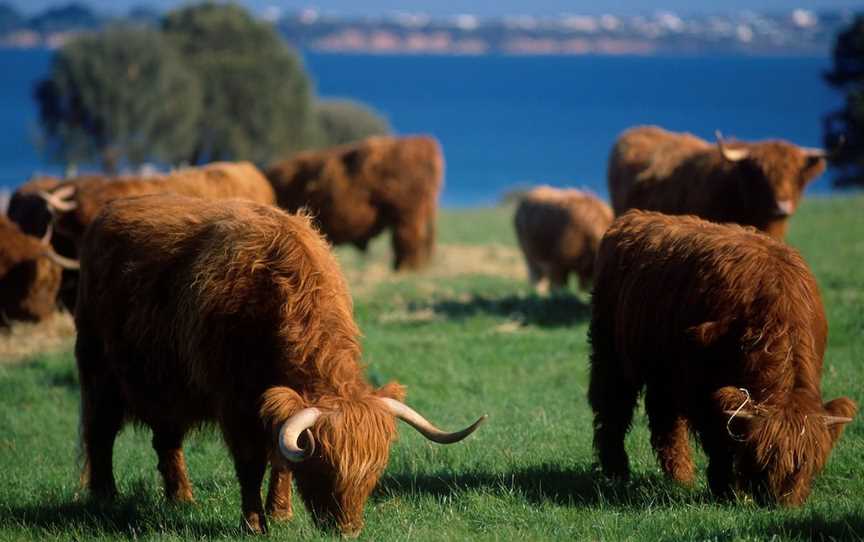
(256, 95)
(844, 129)
(344, 121)
(119, 96)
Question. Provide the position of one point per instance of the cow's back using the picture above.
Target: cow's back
(660, 279)
(204, 291)
(646, 154)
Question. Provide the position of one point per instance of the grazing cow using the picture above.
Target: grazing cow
(237, 313)
(356, 191)
(28, 279)
(559, 232)
(76, 203)
(724, 329)
(754, 184)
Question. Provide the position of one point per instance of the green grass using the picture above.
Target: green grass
(464, 344)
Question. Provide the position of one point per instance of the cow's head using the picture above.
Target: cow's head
(338, 447)
(771, 177)
(779, 450)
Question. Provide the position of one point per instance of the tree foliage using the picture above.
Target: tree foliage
(844, 129)
(120, 95)
(256, 94)
(345, 121)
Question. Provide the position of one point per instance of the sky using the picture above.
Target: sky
(483, 7)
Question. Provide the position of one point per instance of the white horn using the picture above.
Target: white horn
(62, 261)
(834, 420)
(733, 155)
(815, 153)
(424, 427)
(49, 231)
(290, 432)
(58, 203)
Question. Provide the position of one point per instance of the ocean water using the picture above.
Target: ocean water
(506, 122)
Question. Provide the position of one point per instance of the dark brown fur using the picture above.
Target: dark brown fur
(357, 191)
(695, 312)
(559, 232)
(28, 209)
(678, 173)
(232, 312)
(28, 281)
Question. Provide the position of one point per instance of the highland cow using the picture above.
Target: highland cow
(76, 203)
(29, 280)
(27, 208)
(725, 330)
(357, 191)
(754, 184)
(234, 312)
(559, 232)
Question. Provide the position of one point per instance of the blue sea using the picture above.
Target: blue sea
(514, 121)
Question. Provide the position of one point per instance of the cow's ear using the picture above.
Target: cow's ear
(735, 402)
(813, 167)
(392, 390)
(707, 333)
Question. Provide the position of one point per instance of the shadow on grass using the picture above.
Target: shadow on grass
(581, 486)
(553, 311)
(815, 527)
(133, 514)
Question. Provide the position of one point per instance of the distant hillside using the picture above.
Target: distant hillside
(797, 32)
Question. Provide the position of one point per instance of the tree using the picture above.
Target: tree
(844, 129)
(344, 121)
(119, 96)
(256, 95)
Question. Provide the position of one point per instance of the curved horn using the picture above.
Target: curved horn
(733, 155)
(289, 435)
(743, 414)
(62, 261)
(49, 231)
(834, 420)
(56, 202)
(424, 427)
(814, 152)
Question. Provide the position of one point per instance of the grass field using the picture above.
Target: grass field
(467, 338)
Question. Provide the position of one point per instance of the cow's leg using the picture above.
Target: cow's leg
(168, 444)
(536, 276)
(612, 396)
(250, 461)
(669, 435)
(279, 493)
(102, 413)
(721, 469)
(558, 278)
(409, 244)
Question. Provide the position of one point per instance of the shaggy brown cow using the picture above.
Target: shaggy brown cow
(75, 203)
(356, 191)
(28, 280)
(755, 184)
(233, 312)
(724, 329)
(559, 232)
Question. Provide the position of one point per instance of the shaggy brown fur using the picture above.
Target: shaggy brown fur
(656, 170)
(28, 281)
(219, 180)
(356, 191)
(559, 232)
(237, 313)
(695, 313)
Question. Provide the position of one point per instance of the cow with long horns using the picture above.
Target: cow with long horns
(756, 184)
(76, 202)
(193, 311)
(724, 329)
(29, 277)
